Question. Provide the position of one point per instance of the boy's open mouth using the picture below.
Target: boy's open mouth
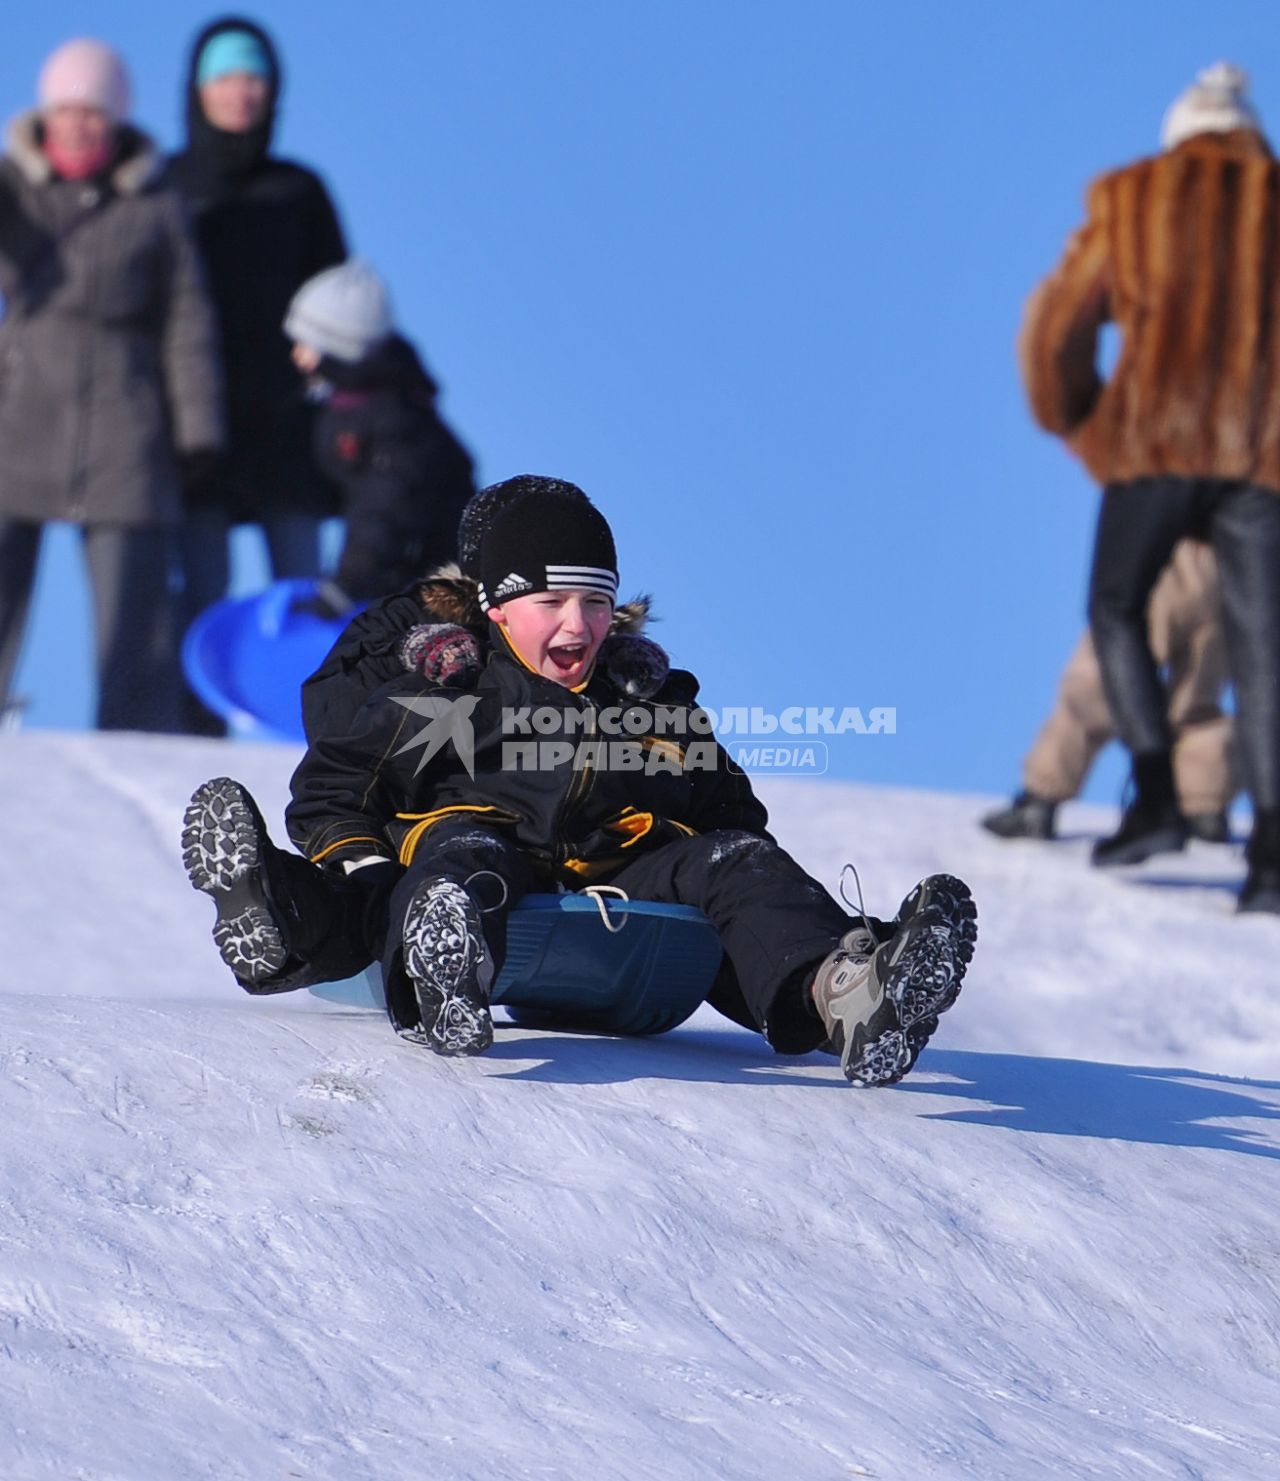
(567, 656)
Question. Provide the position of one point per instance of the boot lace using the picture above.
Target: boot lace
(860, 909)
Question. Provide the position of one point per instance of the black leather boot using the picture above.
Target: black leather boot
(1152, 823)
(1027, 816)
(1261, 892)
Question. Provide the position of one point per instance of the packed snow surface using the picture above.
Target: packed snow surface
(267, 1239)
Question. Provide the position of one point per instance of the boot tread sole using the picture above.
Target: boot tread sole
(222, 854)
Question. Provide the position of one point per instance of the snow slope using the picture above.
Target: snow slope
(266, 1239)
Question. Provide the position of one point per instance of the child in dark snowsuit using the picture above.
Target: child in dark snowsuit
(427, 841)
(405, 478)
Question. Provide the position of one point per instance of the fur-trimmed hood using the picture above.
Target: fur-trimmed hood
(392, 636)
(448, 595)
(138, 164)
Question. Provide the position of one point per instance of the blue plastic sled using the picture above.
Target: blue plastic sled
(643, 974)
(247, 657)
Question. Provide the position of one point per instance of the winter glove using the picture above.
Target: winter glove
(442, 652)
(198, 473)
(634, 664)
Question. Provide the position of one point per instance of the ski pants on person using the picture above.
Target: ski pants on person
(1185, 629)
(139, 680)
(334, 925)
(1138, 526)
(775, 923)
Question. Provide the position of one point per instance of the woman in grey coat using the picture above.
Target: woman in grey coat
(108, 374)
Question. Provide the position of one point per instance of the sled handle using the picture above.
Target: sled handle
(597, 893)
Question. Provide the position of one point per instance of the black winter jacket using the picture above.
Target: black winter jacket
(403, 475)
(365, 657)
(264, 226)
(363, 793)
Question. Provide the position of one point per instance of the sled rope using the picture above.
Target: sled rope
(597, 893)
(487, 874)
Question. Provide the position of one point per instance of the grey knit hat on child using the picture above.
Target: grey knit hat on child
(1216, 103)
(344, 311)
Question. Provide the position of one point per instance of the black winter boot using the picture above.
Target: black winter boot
(281, 923)
(1209, 827)
(1152, 823)
(224, 848)
(1261, 892)
(1027, 816)
(447, 961)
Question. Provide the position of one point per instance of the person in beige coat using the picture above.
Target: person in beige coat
(1186, 637)
(108, 374)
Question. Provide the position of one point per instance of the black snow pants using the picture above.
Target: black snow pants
(775, 923)
(1138, 526)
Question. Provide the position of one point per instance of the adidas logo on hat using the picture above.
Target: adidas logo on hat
(511, 586)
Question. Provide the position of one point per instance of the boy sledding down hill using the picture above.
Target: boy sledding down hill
(422, 850)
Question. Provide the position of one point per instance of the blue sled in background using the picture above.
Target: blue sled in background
(576, 963)
(247, 658)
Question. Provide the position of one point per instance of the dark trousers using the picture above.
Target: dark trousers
(775, 923)
(334, 924)
(1138, 526)
(139, 680)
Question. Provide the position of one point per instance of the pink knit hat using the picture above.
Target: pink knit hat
(86, 73)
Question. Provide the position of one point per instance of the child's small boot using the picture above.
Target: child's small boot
(880, 1003)
(1027, 816)
(450, 969)
(1261, 892)
(225, 847)
(1209, 827)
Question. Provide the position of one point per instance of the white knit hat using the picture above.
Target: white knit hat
(344, 311)
(1215, 103)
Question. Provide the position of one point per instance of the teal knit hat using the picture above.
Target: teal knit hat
(232, 51)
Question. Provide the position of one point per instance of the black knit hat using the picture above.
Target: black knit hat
(536, 534)
(483, 508)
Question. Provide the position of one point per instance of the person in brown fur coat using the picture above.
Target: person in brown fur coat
(1181, 251)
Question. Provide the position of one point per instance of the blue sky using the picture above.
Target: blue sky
(750, 272)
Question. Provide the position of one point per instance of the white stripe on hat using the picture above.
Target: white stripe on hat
(594, 578)
(564, 578)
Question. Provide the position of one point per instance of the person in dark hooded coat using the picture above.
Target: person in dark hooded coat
(264, 225)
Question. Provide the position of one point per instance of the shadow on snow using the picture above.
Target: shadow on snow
(1163, 1106)
(1131, 1103)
